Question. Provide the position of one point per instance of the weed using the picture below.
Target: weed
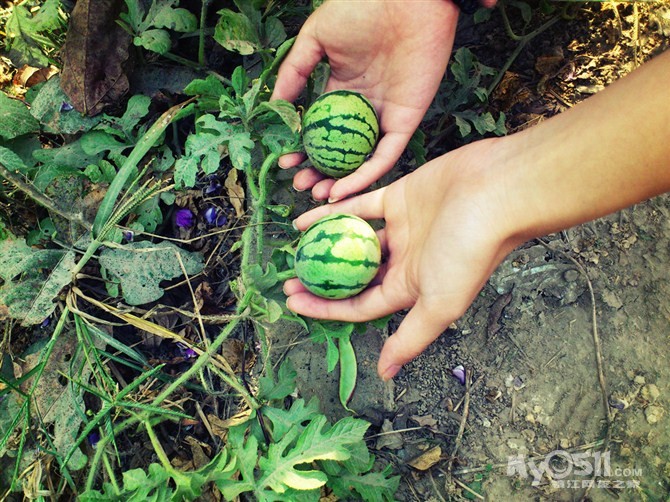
(107, 248)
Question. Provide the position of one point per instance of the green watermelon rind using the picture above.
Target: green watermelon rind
(319, 261)
(339, 131)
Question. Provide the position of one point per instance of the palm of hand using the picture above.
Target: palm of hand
(393, 55)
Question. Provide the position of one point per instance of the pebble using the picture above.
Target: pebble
(571, 275)
(653, 414)
(564, 443)
(529, 435)
(650, 392)
(639, 379)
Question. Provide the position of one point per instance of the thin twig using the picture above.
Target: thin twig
(468, 489)
(42, 199)
(464, 419)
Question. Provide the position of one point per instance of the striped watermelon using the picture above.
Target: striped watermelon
(337, 256)
(339, 131)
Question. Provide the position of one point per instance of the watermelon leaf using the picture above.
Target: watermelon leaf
(141, 266)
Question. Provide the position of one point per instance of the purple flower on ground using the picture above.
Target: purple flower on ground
(128, 235)
(184, 218)
(66, 107)
(459, 373)
(214, 217)
(213, 187)
(185, 351)
(93, 439)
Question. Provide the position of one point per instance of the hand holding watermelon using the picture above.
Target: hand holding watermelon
(394, 53)
(452, 221)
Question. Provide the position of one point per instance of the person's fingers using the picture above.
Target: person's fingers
(298, 65)
(290, 160)
(321, 190)
(307, 178)
(385, 156)
(293, 287)
(383, 241)
(422, 325)
(369, 206)
(373, 303)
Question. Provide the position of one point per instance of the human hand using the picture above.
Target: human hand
(446, 231)
(452, 221)
(393, 52)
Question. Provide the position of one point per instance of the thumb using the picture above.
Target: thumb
(422, 325)
(297, 66)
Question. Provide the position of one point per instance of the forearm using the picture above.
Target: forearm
(607, 153)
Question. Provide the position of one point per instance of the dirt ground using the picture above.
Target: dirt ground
(538, 401)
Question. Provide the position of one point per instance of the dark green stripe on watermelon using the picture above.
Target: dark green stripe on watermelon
(339, 131)
(337, 256)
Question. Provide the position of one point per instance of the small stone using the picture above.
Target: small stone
(653, 414)
(650, 392)
(529, 435)
(626, 451)
(530, 418)
(639, 379)
(564, 443)
(571, 275)
(486, 423)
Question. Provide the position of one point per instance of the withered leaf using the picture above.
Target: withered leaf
(235, 192)
(95, 56)
(427, 459)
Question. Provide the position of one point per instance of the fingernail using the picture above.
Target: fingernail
(294, 225)
(281, 164)
(298, 189)
(390, 372)
(332, 200)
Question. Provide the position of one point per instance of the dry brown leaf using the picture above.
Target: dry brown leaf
(95, 56)
(424, 421)
(220, 426)
(233, 351)
(235, 192)
(200, 458)
(388, 438)
(427, 459)
(29, 76)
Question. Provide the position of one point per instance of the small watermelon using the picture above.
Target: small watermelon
(339, 131)
(337, 256)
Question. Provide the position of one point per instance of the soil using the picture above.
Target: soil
(532, 341)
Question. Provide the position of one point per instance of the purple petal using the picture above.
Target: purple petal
(93, 439)
(184, 218)
(213, 187)
(459, 373)
(128, 235)
(214, 217)
(66, 107)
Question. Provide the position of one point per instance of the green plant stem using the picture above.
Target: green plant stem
(158, 447)
(523, 40)
(204, 358)
(130, 165)
(260, 202)
(110, 473)
(201, 34)
(42, 199)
